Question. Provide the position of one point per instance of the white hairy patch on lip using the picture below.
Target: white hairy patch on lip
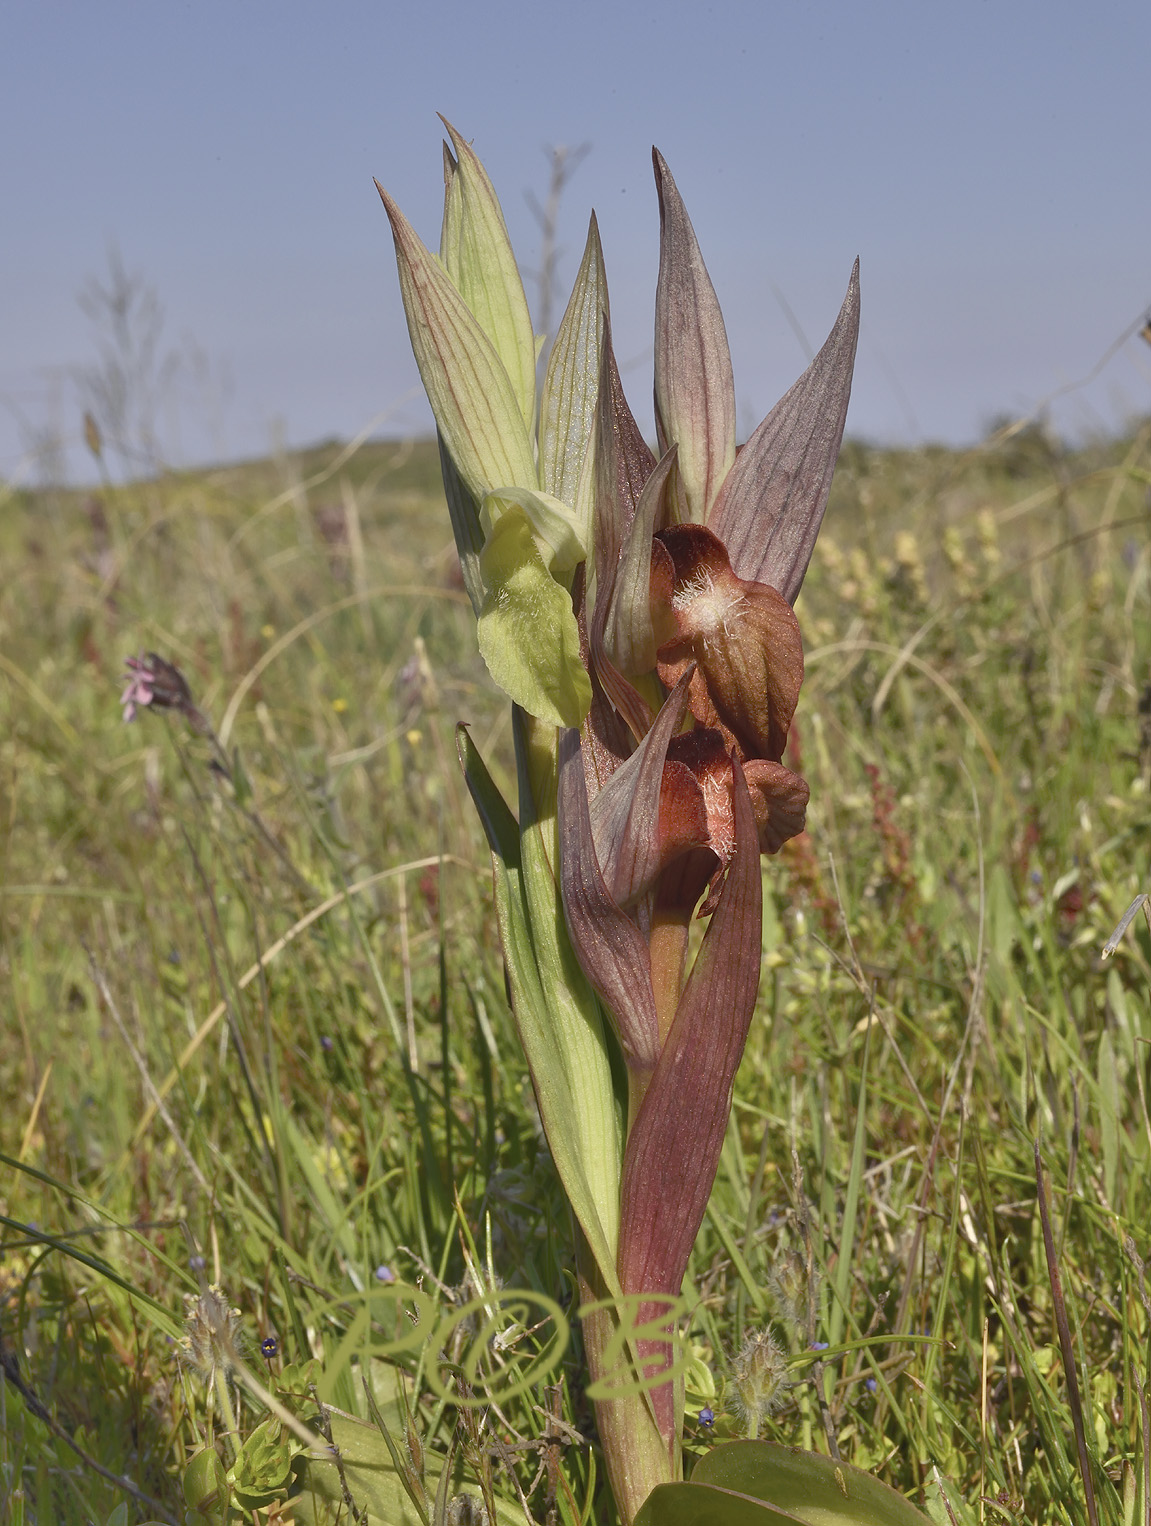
(705, 609)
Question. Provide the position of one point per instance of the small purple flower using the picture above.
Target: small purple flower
(197, 1263)
(154, 684)
(138, 690)
(384, 1273)
(707, 1416)
(269, 1346)
(818, 1346)
(870, 1384)
(327, 1043)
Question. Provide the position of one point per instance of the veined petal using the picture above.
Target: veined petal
(527, 628)
(479, 259)
(778, 800)
(604, 737)
(674, 1144)
(694, 386)
(623, 464)
(629, 636)
(472, 397)
(453, 210)
(554, 523)
(609, 946)
(771, 506)
(744, 637)
(650, 811)
(567, 402)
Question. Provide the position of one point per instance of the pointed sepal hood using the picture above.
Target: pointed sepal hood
(474, 402)
(694, 385)
(478, 256)
(771, 505)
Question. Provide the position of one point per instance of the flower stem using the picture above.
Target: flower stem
(668, 943)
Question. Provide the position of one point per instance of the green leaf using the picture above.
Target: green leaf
(263, 1470)
(206, 1484)
(477, 254)
(527, 628)
(811, 1487)
(1110, 1105)
(557, 1018)
(572, 1068)
(473, 398)
(297, 1379)
(855, 1182)
(701, 1505)
(373, 1480)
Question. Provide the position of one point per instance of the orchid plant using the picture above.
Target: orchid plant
(637, 608)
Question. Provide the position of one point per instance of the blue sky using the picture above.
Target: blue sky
(987, 162)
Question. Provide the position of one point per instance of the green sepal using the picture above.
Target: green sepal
(477, 254)
(567, 402)
(556, 1014)
(473, 399)
(453, 209)
(527, 628)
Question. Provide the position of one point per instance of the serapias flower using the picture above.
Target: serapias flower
(702, 562)
(694, 645)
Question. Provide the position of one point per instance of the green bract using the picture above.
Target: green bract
(521, 509)
(471, 394)
(477, 255)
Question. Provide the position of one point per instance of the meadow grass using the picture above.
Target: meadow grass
(255, 1031)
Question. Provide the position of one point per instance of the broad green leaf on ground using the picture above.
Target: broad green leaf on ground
(373, 1481)
(703, 1505)
(812, 1487)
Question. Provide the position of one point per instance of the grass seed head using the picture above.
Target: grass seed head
(211, 1332)
(759, 1377)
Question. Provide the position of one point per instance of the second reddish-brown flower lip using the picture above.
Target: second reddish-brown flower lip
(743, 637)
